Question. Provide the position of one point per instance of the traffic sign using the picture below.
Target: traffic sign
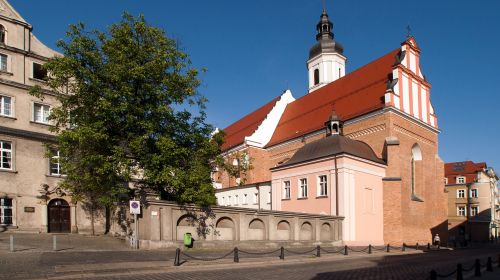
(135, 207)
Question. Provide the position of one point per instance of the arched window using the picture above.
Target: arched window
(316, 76)
(416, 172)
(2, 34)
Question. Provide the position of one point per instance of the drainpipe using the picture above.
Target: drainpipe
(336, 187)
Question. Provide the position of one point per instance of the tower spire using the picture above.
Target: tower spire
(326, 60)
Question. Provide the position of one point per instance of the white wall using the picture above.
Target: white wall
(226, 197)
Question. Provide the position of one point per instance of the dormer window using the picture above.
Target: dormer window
(333, 125)
(316, 76)
(460, 180)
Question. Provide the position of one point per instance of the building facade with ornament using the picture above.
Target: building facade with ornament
(30, 199)
(362, 145)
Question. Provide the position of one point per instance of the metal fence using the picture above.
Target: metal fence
(459, 271)
(316, 251)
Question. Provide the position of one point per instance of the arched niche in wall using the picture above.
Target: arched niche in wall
(326, 233)
(224, 229)
(256, 230)
(186, 224)
(283, 230)
(306, 231)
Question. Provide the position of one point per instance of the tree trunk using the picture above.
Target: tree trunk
(92, 219)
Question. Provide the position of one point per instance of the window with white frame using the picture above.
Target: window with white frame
(5, 105)
(473, 193)
(55, 163)
(303, 188)
(460, 180)
(3, 62)
(460, 193)
(446, 181)
(41, 113)
(461, 211)
(322, 185)
(286, 190)
(5, 155)
(474, 210)
(5, 211)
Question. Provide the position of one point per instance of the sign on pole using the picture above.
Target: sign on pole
(135, 207)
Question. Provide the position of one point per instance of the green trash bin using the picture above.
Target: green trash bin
(188, 239)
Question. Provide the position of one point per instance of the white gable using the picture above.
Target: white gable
(264, 132)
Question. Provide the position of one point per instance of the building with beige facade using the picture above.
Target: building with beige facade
(30, 199)
(473, 201)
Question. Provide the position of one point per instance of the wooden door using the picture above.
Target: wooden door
(59, 216)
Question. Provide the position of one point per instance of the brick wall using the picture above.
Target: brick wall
(405, 220)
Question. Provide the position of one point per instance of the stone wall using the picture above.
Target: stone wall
(163, 224)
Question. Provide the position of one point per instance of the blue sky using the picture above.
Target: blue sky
(255, 49)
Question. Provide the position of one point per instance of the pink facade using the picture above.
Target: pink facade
(359, 194)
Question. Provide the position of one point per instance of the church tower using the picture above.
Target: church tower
(326, 60)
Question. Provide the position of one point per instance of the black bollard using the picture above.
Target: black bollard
(429, 246)
(236, 256)
(489, 265)
(417, 246)
(345, 250)
(370, 249)
(177, 261)
(282, 253)
(403, 247)
(460, 273)
(477, 268)
(318, 251)
(388, 247)
(434, 275)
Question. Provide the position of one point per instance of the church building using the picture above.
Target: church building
(362, 145)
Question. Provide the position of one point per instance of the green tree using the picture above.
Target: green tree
(129, 107)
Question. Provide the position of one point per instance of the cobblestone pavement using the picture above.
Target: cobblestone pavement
(383, 266)
(129, 264)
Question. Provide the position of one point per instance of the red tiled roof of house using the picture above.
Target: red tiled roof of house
(353, 95)
(246, 126)
(467, 169)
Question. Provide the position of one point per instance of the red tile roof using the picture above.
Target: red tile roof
(468, 169)
(355, 94)
(236, 132)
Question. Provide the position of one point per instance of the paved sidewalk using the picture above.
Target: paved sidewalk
(86, 257)
(33, 242)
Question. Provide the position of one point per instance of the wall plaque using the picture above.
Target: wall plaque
(29, 209)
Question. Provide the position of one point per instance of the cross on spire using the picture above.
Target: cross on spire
(408, 31)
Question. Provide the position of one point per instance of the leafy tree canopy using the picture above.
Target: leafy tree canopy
(129, 108)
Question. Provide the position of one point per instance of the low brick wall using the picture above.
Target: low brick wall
(163, 224)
